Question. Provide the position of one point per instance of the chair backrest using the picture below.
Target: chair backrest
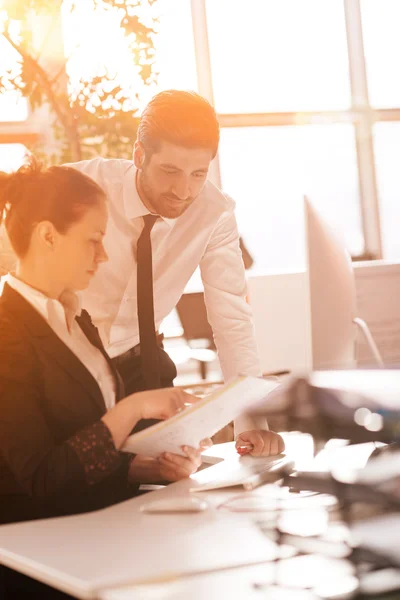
(192, 313)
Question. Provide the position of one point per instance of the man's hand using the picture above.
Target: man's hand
(259, 443)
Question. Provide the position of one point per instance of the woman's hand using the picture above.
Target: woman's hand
(161, 404)
(168, 466)
(152, 404)
(174, 467)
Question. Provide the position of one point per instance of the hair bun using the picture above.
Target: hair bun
(11, 184)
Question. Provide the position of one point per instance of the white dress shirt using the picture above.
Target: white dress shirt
(60, 315)
(205, 235)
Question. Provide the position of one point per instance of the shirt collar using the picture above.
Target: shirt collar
(133, 204)
(70, 301)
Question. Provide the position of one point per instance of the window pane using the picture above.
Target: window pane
(268, 169)
(380, 19)
(12, 106)
(11, 156)
(387, 151)
(85, 31)
(286, 55)
(176, 61)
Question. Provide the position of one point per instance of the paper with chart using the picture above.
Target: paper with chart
(202, 419)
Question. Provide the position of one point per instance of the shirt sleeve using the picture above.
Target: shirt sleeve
(42, 467)
(228, 311)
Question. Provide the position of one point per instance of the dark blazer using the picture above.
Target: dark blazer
(56, 455)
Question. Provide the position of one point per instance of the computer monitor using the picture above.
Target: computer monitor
(332, 295)
(308, 320)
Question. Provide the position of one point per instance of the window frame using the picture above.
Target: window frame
(361, 114)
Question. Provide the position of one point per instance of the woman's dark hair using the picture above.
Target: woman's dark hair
(33, 194)
(180, 117)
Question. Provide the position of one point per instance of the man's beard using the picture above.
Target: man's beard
(166, 205)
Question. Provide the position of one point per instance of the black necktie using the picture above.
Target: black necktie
(145, 305)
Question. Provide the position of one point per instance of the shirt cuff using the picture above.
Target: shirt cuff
(247, 423)
(96, 452)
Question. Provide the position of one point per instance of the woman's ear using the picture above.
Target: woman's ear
(46, 234)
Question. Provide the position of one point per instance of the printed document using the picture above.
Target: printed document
(202, 419)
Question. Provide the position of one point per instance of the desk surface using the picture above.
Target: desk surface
(120, 545)
(241, 583)
(88, 555)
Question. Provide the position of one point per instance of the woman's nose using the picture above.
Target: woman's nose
(102, 255)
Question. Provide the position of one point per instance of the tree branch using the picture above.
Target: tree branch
(102, 117)
(42, 75)
(65, 117)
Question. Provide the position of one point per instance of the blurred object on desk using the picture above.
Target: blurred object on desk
(358, 405)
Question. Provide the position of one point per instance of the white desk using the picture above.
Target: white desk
(86, 554)
(241, 583)
(217, 553)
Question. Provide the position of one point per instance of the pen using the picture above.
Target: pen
(242, 447)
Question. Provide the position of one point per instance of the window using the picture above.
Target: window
(11, 156)
(289, 81)
(268, 170)
(307, 97)
(274, 56)
(380, 20)
(387, 153)
(174, 46)
(90, 56)
(12, 106)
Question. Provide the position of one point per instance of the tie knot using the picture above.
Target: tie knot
(149, 221)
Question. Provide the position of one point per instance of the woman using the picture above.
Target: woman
(61, 425)
(62, 420)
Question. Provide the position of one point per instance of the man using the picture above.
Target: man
(166, 219)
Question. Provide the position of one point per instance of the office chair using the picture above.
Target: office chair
(197, 332)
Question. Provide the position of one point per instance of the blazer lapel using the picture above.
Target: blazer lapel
(50, 343)
(92, 333)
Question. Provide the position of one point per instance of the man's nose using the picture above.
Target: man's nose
(181, 188)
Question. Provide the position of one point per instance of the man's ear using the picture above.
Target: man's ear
(138, 155)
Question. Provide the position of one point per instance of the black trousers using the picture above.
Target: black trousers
(130, 370)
